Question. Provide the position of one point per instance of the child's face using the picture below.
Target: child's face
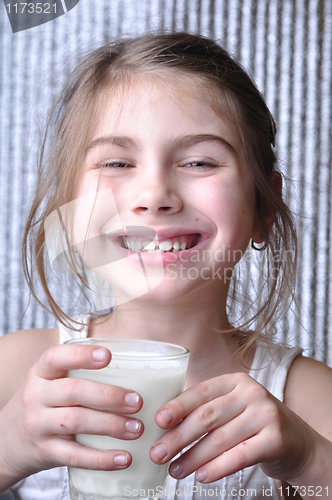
(172, 164)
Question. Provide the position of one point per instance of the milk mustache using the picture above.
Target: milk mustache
(158, 377)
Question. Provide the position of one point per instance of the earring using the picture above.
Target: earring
(259, 249)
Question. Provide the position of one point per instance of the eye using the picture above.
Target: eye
(200, 165)
(114, 164)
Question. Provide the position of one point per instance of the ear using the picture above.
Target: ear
(262, 227)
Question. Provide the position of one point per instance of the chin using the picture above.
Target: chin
(168, 292)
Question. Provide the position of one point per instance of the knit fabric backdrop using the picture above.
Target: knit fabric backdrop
(286, 47)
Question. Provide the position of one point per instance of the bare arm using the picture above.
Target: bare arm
(308, 393)
(19, 351)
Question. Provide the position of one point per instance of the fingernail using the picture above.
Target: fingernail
(132, 399)
(175, 470)
(160, 451)
(121, 460)
(201, 475)
(99, 354)
(133, 426)
(167, 415)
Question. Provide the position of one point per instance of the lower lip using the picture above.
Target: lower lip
(167, 257)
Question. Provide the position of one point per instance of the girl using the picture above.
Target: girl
(160, 174)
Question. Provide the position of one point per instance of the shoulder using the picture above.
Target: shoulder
(19, 351)
(308, 392)
(28, 344)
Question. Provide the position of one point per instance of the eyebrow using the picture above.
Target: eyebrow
(186, 141)
(121, 141)
(189, 140)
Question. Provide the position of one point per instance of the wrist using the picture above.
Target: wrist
(8, 476)
(10, 473)
(315, 479)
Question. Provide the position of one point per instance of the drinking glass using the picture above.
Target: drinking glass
(156, 370)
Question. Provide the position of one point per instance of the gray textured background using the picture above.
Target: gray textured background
(286, 47)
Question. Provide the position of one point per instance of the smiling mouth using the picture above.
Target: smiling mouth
(174, 244)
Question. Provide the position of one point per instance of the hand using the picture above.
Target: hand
(239, 424)
(38, 424)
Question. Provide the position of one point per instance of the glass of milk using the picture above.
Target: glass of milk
(156, 370)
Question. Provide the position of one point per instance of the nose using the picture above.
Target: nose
(156, 193)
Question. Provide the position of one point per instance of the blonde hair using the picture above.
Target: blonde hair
(68, 131)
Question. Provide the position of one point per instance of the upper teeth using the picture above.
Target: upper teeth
(136, 244)
(150, 246)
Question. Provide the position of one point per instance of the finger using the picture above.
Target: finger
(177, 409)
(213, 445)
(203, 420)
(85, 421)
(91, 394)
(245, 454)
(73, 454)
(56, 361)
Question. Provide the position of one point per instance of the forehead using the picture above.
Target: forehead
(163, 109)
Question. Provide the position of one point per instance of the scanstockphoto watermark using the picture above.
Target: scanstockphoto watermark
(227, 255)
(213, 268)
(201, 491)
(224, 274)
(116, 264)
(25, 15)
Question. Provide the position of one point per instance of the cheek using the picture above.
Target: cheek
(225, 197)
(232, 208)
(92, 213)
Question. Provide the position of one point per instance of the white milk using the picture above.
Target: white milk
(157, 382)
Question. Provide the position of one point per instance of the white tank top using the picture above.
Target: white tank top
(269, 368)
